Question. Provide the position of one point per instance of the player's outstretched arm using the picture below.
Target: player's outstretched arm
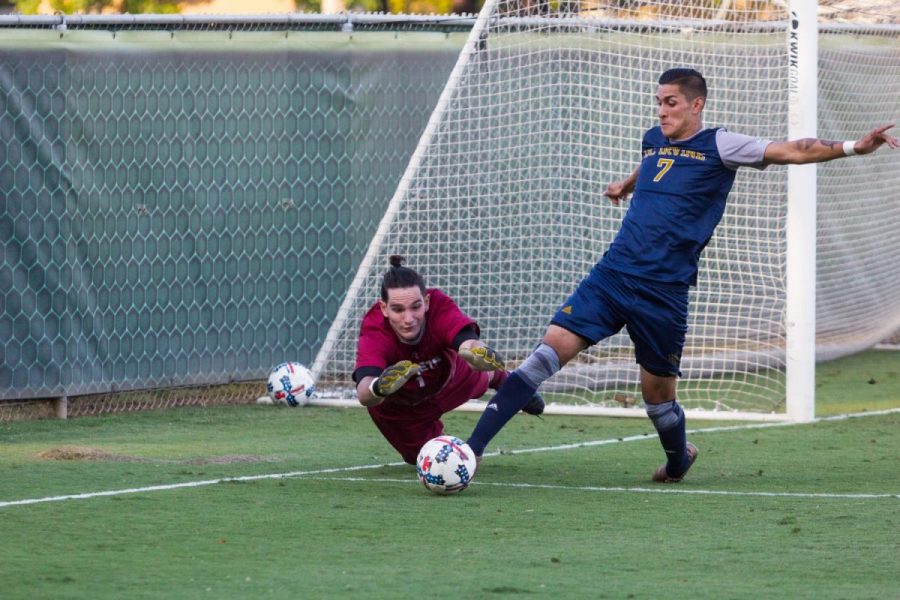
(480, 356)
(811, 150)
(372, 390)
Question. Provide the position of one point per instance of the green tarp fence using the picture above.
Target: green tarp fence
(189, 209)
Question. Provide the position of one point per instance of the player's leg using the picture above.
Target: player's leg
(659, 395)
(657, 327)
(588, 315)
(558, 347)
(535, 406)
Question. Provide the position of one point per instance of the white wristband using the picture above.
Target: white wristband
(372, 389)
(848, 148)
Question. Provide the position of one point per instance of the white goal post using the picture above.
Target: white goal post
(800, 251)
(501, 204)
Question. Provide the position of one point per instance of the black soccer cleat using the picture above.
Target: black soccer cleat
(535, 406)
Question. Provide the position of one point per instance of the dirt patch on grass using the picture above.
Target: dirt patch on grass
(84, 453)
(88, 453)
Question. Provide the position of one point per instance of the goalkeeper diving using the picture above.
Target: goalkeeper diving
(418, 357)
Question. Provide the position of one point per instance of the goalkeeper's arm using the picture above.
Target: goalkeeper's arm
(371, 391)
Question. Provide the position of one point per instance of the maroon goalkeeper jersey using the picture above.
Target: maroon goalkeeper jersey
(379, 347)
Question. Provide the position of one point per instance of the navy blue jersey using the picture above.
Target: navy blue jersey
(678, 200)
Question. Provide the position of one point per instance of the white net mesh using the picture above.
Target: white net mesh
(858, 290)
(503, 207)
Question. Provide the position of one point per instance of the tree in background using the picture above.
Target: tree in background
(31, 7)
(467, 6)
(315, 6)
(438, 7)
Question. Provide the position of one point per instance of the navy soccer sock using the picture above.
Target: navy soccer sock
(513, 395)
(668, 418)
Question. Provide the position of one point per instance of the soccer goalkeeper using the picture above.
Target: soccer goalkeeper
(418, 357)
(642, 281)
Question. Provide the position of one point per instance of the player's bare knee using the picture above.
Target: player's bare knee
(657, 387)
(566, 344)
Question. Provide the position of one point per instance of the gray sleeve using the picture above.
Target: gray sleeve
(737, 150)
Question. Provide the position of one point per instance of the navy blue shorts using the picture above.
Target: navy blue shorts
(654, 314)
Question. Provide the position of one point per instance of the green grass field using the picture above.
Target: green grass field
(566, 510)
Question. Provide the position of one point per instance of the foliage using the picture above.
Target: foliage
(135, 7)
(31, 7)
(27, 7)
(315, 6)
(438, 7)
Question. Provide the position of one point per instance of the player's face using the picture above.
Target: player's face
(405, 310)
(679, 118)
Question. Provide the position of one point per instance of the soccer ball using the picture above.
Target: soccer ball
(445, 465)
(290, 383)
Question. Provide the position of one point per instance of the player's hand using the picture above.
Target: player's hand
(482, 358)
(394, 377)
(616, 192)
(875, 139)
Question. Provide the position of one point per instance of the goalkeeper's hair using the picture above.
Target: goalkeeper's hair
(399, 276)
(689, 81)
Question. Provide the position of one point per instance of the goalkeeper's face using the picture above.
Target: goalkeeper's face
(405, 310)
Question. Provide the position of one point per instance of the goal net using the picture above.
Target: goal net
(501, 205)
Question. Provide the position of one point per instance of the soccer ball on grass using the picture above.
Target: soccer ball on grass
(290, 383)
(445, 465)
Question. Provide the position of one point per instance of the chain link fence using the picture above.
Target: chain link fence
(184, 202)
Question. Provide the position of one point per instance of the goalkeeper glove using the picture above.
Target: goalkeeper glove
(393, 378)
(482, 358)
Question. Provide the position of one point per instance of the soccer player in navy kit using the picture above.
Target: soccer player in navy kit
(642, 281)
(418, 357)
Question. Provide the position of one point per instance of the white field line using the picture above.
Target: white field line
(192, 484)
(652, 435)
(291, 474)
(630, 490)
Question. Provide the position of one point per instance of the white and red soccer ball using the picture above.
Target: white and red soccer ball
(446, 465)
(290, 383)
